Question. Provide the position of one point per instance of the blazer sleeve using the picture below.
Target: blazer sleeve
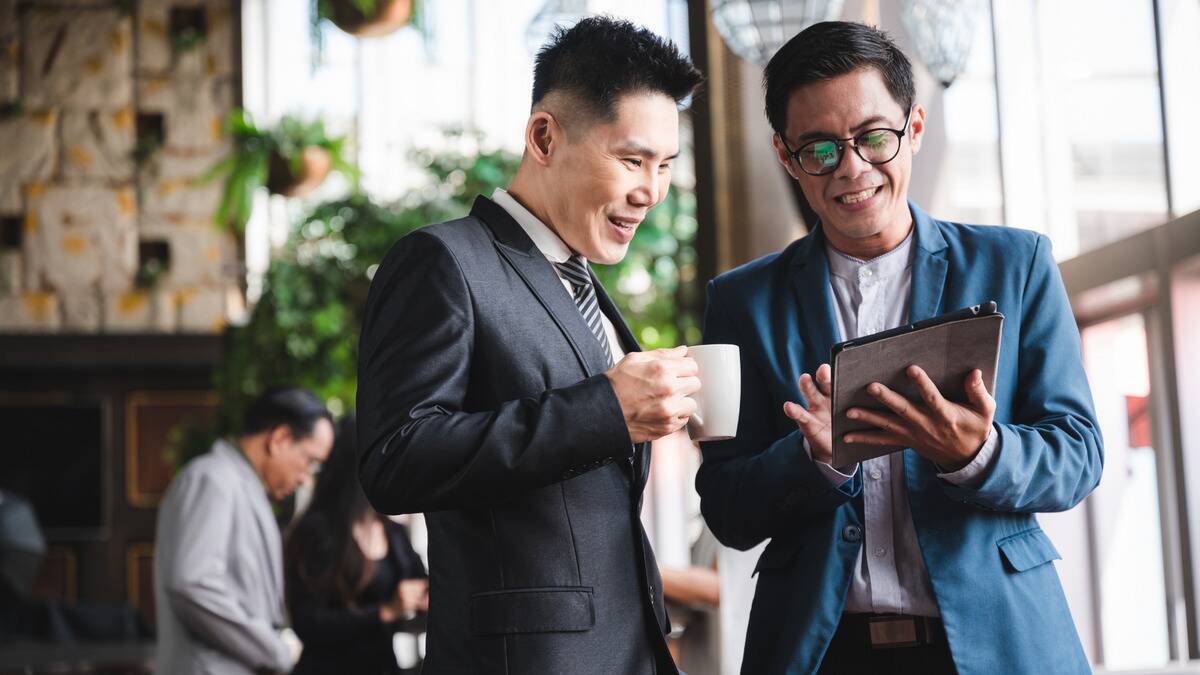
(754, 486)
(1051, 454)
(197, 587)
(424, 448)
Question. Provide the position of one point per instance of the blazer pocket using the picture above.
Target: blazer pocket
(558, 609)
(1028, 549)
(778, 554)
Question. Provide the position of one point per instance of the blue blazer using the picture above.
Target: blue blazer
(988, 560)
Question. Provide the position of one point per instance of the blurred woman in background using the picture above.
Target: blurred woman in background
(352, 579)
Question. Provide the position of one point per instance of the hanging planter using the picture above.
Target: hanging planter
(367, 18)
(290, 160)
(292, 178)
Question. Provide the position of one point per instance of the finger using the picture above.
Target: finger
(795, 412)
(875, 438)
(896, 403)
(806, 420)
(679, 366)
(825, 379)
(684, 407)
(686, 366)
(810, 424)
(929, 392)
(978, 394)
(880, 420)
(809, 389)
(686, 386)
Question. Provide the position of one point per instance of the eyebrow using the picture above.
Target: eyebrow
(870, 122)
(636, 148)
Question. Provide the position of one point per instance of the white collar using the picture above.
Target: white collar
(893, 262)
(543, 237)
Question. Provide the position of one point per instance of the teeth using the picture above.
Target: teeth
(855, 197)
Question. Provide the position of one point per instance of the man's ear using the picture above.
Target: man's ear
(916, 127)
(542, 136)
(784, 158)
(280, 437)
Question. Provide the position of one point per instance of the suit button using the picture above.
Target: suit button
(852, 533)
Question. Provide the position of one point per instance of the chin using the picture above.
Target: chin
(607, 253)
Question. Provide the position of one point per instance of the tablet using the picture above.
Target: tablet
(947, 347)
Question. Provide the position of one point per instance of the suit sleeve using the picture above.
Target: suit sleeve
(198, 589)
(424, 446)
(1050, 455)
(756, 485)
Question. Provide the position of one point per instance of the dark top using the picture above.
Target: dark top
(354, 640)
(483, 403)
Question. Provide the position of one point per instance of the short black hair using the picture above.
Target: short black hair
(826, 50)
(600, 59)
(298, 409)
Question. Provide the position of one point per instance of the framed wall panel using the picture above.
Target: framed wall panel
(139, 579)
(150, 416)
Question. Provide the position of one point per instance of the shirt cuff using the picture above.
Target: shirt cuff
(835, 477)
(971, 475)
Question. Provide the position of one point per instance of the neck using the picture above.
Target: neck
(873, 246)
(254, 448)
(526, 189)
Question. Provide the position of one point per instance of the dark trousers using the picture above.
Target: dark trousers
(853, 652)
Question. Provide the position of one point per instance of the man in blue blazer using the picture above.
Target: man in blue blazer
(929, 560)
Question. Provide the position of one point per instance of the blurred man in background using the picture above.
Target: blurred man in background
(218, 569)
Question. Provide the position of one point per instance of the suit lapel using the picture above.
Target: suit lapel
(928, 283)
(929, 268)
(519, 250)
(265, 519)
(810, 276)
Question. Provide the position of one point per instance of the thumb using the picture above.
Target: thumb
(978, 394)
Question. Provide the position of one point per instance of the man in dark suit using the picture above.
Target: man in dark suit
(501, 393)
(929, 560)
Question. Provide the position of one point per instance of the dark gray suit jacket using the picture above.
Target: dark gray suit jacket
(482, 401)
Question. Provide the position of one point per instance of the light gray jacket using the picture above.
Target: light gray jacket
(218, 571)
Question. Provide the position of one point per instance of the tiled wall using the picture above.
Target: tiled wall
(107, 118)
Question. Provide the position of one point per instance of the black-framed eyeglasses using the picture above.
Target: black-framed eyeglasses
(822, 156)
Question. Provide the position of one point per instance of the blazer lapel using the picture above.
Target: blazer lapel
(928, 269)
(810, 276)
(519, 250)
(928, 283)
(264, 517)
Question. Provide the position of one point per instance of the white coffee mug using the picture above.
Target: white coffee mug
(720, 397)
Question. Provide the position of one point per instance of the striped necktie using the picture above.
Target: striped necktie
(575, 272)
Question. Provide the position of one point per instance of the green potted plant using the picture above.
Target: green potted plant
(367, 18)
(291, 160)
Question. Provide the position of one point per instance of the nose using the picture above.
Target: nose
(650, 189)
(852, 166)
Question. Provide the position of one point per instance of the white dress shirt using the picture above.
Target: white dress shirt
(556, 251)
(890, 575)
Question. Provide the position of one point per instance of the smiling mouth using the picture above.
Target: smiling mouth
(856, 197)
(624, 224)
